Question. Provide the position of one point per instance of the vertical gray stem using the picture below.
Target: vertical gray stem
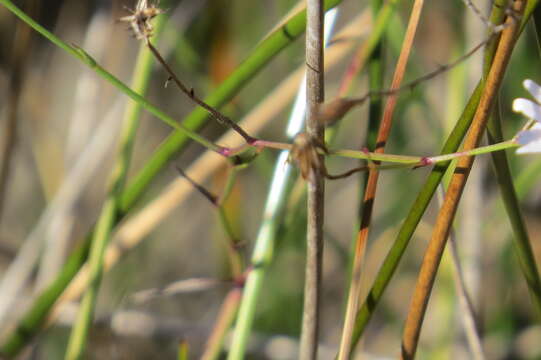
(316, 185)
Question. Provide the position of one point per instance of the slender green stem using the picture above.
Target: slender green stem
(79, 334)
(400, 159)
(509, 144)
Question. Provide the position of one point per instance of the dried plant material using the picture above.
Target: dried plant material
(334, 110)
(305, 153)
(140, 19)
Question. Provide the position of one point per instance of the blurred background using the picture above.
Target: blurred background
(57, 114)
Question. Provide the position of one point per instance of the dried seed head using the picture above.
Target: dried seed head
(305, 153)
(140, 19)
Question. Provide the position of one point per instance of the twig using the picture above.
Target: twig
(414, 83)
(315, 183)
(335, 109)
(445, 218)
(191, 94)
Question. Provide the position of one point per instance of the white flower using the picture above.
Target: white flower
(530, 140)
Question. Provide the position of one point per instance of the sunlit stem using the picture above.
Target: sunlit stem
(404, 160)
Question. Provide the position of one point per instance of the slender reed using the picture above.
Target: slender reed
(315, 182)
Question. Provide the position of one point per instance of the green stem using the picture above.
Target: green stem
(400, 159)
(79, 334)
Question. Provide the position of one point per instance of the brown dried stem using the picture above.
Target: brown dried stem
(447, 212)
(316, 181)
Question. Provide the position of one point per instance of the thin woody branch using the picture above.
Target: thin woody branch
(316, 181)
(191, 94)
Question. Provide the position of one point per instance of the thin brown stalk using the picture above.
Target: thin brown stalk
(447, 212)
(371, 186)
(315, 181)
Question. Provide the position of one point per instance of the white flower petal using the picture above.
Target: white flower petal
(533, 89)
(530, 140)
(527, 108)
